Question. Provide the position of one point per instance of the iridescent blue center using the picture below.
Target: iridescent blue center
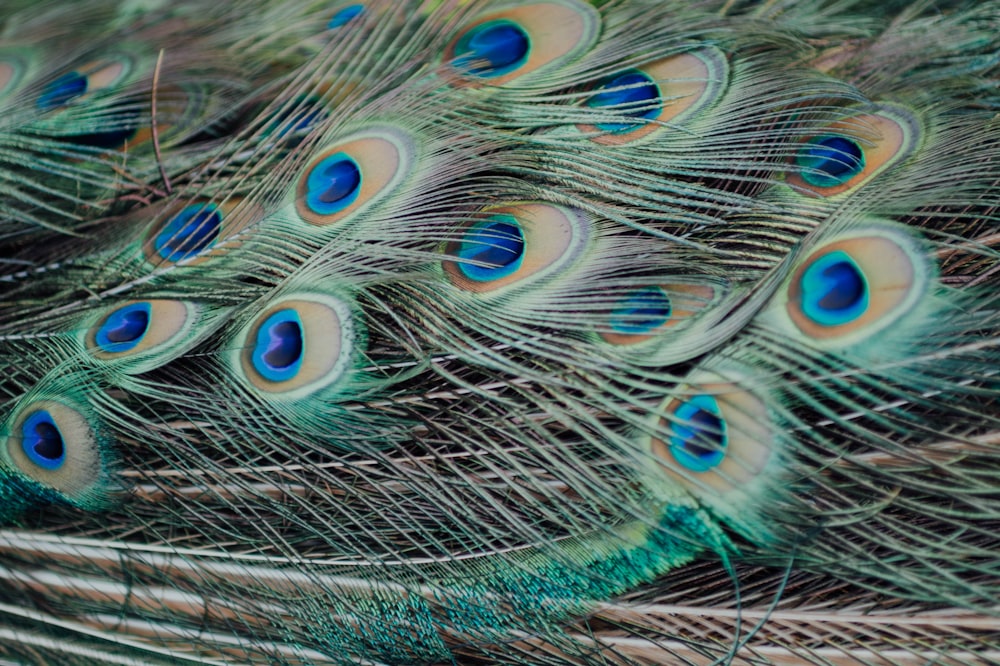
(124, 328)
(333, 184)
(345, 16)
(830, 160)
(496, 245)
(699, 437)
(42, 442)
(834, 290)
(62, 91)
(632, 94)
(278, 349)
(641, 311)
(493, 48)
(189, 232)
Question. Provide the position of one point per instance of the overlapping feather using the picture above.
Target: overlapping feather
(426, 337)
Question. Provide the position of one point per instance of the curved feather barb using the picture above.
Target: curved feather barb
(473, 332)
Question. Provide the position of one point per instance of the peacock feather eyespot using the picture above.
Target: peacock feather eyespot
(353, 174)
(633, 94)
(642, 314)
(513, 245)
(492, 48)
(833, 290)
(698, 439)
(124, 328)
(298, 345)
(41, 440)
(491, 249)
(51, 442)
(332, 184)
(856, 285)
(195, 230)
(191, 230)
(504, 45)
(641, 311)
(279, 347)
(712, 437)
(852, 151)
(117, 122)
(655, 95)
(62, 91)
(830, 160)
(90, 78)
(345, 16)
(148, 333)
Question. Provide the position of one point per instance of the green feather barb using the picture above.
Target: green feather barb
(484, 332)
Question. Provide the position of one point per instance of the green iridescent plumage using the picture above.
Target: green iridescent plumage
(481, 332)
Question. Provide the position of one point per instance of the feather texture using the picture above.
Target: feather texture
(543, 332)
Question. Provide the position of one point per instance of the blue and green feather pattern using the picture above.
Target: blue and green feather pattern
(483, 332)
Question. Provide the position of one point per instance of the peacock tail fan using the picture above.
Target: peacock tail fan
(468, 332)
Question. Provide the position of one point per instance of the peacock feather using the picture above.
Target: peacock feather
(470, 332)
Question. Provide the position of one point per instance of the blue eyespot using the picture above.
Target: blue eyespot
(189, 232)
(699, 439)
(277, 353)
(641, 311)
(632, 94)
(124, 328)
(497, 244)
(345, 16)
(493, 48)
(333, 184)
(42, 442)
(62, 91)
(830, 160)
(834, 290)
